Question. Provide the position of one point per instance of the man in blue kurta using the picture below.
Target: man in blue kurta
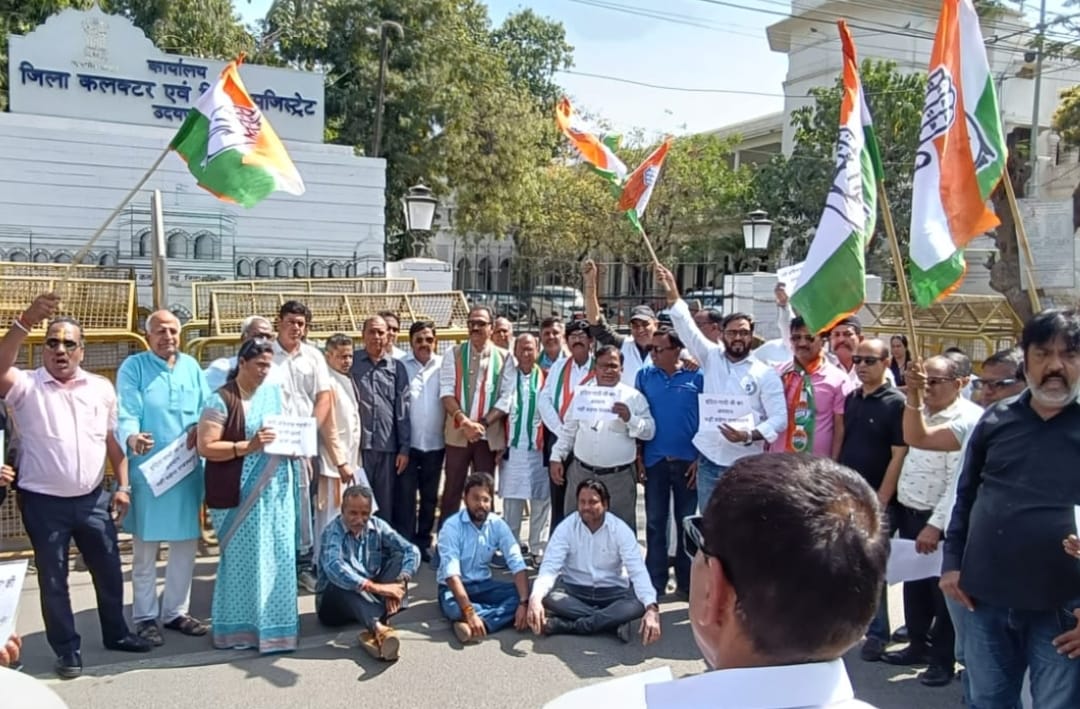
(161, 394)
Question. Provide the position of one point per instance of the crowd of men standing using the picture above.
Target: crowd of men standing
(411, 444)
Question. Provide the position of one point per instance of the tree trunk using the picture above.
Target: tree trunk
(1005, 273)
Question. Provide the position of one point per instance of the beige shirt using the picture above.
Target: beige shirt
(484, 377)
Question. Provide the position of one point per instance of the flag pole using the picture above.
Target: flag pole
(77, 259)
(1027, 261)
(898, 269)
(652, 251)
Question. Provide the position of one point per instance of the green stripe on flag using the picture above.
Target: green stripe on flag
(226, 175)
(871, 148)
(987, 116)
(928, 286)
(831, 293)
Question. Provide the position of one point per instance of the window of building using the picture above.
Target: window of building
(204, 246)
(318, 270)
(483, 275)
(107, 259)
(176, 245)
(336, 270)
(142, 244)
(243, 268)
(18, 255)
(299, 270)
(41, 257)
(502, 278)
(62, 257)
(262, 268)
(463, 275)
(281, 269)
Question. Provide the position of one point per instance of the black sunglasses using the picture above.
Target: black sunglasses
(694, 541)
(54, 344)
(860, 359)
(992, 384)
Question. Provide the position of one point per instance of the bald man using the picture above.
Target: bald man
(161, 394)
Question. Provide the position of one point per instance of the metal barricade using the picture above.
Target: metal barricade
(201, 290)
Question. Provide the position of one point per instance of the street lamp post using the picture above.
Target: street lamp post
(756, 229)
(380, 91)
(419, 207)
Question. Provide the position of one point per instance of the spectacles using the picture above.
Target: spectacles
(934, 381)
(54, 344)
(479, 323)
(993, 384)
(694, 536)
(802, 338)
(739, 333)
(871, 361)
(391, 328)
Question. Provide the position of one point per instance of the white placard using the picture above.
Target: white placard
(164, 469)
(789, 276)
(745, 422)
(3, 446)
(715, 409)
(12, 574)
(906, 564)
(295, 436)
(593, 403)
(1076, 516)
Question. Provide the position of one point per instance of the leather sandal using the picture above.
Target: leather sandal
(188, 626)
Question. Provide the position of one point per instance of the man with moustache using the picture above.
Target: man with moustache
(728, 369)
(469, 382)
(476, 604)
(635, 349)
(565, 377)
(606, 449)
(161, 394)
(1014, 505)
(67, 421)
(251, 328)
(427, 417)
(874, 447)
(383, 392)
(552, 342)
(844, 339)
(814, 390)
(709, 321)
(502, 334)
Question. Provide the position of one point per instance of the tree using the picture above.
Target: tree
(793, 189)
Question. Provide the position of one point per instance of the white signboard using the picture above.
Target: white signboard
(1053, 244)
(295, 436)
(789, 276)
(12, 574)
(715, 409)
(593, 403)
(164, 469)
(906, 564)
(95, 66)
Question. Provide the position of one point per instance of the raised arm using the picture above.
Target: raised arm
(695, 341)
(43, 308)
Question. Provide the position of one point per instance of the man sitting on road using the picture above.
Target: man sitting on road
(584, 584)
(474, 602)
(364, 570)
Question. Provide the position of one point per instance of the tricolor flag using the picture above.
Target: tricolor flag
(230, 147)
(832, 284)
(961, 155)
(600, 154)
(639, 186)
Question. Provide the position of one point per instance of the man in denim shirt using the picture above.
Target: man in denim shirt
(364, 571)
(474, 602)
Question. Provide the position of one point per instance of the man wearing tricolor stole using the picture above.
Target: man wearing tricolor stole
(563, 379)
(469, 386)
(522, 474)
(814, 390)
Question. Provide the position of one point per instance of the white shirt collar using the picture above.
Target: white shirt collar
(817, 684)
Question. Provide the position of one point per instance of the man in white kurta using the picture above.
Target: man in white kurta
(161, 394)
(522, 476)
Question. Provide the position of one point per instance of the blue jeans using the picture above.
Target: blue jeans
(708, 474)
(495, 602)
(662, 481)
(1001, 643)
(593, 609)
(879, 626)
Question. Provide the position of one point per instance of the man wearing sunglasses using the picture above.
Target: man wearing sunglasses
(789, 562)
(67, 422)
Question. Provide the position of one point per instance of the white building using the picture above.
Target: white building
(93, 104)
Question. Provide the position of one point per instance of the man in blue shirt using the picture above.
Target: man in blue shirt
(364, 571)
(669, 459)
(474, 602)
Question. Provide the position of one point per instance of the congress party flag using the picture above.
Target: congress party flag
(639, 186)
(599, 153)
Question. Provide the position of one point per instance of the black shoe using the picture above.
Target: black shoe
(69, 665)
(130, 643)
(901, 635)
(910, 655)
(872, 649)
(557, 626)
(425, 555)
(937, 676)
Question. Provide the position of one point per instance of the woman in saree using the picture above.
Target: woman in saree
(253, 508)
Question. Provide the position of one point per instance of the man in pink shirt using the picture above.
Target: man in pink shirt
(814, 390)
(66, 418)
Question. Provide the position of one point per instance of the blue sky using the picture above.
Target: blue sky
(729, 52)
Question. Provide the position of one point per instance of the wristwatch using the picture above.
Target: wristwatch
(126, 489)
(749, 439)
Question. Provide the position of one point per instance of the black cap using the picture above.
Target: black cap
(577, 326)
(642, 312)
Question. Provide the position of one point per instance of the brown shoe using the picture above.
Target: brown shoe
(463, 632)
(369, 645)
(389, 645)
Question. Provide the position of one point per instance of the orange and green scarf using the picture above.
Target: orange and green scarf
(527, 417)
(799, 396)
(564, 394)
(488, 379)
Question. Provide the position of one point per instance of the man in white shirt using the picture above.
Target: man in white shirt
(427, 446)
(602, 448)
(306, 392)
(565, 377)
(253, 327)
(502, 334)
(584, 585)
(789, 562)
(635, 348)
(393, 327)
(729, 370)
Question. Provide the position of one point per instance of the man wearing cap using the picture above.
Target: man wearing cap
(635, 349)
(564, 378)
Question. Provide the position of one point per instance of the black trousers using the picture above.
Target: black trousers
(425, 474)
(381, 470)
(336, 606)
(925, 612)
(558, 492)
(52, 523)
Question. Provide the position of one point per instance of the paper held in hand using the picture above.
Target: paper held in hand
(12, 574)
(164, 469)
(732, 409)
(593, 403)
(295, 436)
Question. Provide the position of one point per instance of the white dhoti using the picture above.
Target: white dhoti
(523, 478)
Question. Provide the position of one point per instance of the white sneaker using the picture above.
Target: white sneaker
(307, 581)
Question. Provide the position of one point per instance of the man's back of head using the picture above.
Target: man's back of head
(794, 550)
